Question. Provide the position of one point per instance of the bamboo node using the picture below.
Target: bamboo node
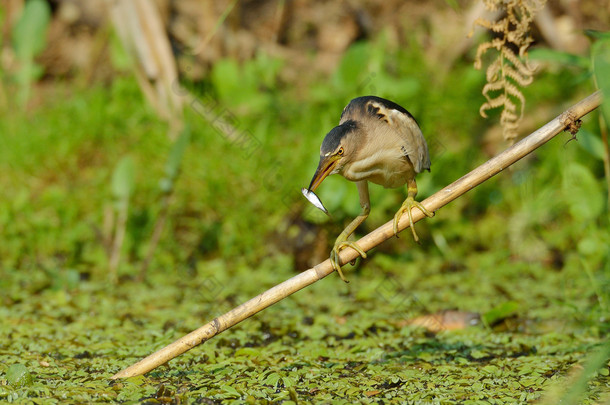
(571, 122)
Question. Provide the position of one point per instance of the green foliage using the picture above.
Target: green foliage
(339, 348)
(596, 65)
(560, 58)
(601, 69)
(591, 143)
(578, 181)
(18, 376)
(366, 69)
(596, 365)
(174, 161)
(247, 85)
(120, 59)
(29, 39)
(527, 250)
(29, 34)
(123, 180)
(504, 310)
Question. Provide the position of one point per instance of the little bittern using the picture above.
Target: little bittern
(378, 141)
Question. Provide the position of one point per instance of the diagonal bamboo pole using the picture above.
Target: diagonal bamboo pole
(567, 120)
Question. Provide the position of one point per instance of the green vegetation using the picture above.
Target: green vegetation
(29, 40)
(528, 250)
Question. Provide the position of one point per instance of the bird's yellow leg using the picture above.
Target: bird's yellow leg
(342, 242)
(407, 205)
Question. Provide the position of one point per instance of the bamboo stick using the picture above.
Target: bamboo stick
(567, 120)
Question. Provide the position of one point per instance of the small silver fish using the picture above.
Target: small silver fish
(314, 199)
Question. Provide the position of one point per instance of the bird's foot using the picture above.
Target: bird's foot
(334, 255)
(407, 205)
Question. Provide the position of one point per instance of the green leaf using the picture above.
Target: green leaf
(18, 375)
(478, 354)
(248, 352)
(582, 192)
(591, 143)
(289, 382)
(238, 85)
(354, 62)
(594, 362)
(597, 34)
(398, 89)
(227, 79)
(453, 4)
(230, 390)
(123, 179)
(177, 152)
(29, 39)
(560, 58)
(119, 57)
(601, 70)
(591, 245)
(272, 379)
(29, 34)
(500, 312)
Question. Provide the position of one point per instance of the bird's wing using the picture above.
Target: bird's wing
(399, 120)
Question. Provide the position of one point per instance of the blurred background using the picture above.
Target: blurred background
(88, 109)
(155, 150)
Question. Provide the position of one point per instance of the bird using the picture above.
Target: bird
(376, 141)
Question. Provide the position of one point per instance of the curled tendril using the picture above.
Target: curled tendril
(508, 71)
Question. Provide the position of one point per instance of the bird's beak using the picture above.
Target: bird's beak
(325, 167)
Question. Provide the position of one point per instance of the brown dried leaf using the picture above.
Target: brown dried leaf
(445, 320)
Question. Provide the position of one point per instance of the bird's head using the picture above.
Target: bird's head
(338, 149)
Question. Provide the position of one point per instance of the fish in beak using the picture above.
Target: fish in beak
(315, 200)
(325, 167)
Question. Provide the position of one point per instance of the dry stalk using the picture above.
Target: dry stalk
(139, 26)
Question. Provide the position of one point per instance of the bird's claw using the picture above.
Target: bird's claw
(407, 205)
(334, 255)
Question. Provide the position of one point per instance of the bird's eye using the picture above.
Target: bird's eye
(340, 151)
